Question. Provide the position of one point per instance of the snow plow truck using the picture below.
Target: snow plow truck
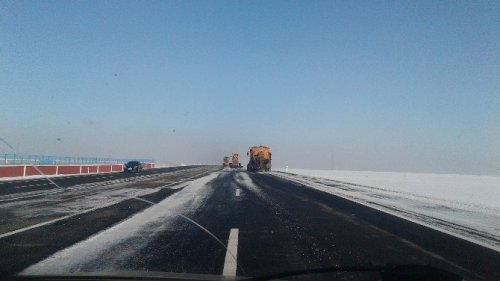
(235, 162)
(260, 159)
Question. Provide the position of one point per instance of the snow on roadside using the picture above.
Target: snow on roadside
(462, 205)
(471, 189)
(108, 249)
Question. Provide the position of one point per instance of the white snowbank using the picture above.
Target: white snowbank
(477, 190)
(466, 206)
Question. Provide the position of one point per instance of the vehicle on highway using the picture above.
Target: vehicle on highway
(133, 167)
(357, 118)
(225, 162)
(260, 159)
(235, 162)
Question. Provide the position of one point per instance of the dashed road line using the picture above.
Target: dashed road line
(231, 259)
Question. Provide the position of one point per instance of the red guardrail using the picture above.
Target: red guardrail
(50, 170)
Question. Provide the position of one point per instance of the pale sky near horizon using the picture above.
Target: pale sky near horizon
(357, 85)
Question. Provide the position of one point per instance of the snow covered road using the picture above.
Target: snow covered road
(122, 241)
(271, 223)
(462, 205)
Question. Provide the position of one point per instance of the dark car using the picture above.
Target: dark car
(132, 167)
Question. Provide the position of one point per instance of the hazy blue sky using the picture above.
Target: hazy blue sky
(370, 85)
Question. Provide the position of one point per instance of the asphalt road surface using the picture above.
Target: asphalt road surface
(34, 184)
(268, 224)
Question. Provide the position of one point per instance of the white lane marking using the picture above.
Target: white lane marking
(173, 185)
(38, 225)
(238, 192)
(230, 261)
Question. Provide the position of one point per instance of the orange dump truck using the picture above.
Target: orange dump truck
(235, 161)
(260, 159)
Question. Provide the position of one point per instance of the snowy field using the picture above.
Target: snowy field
(466, 206)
